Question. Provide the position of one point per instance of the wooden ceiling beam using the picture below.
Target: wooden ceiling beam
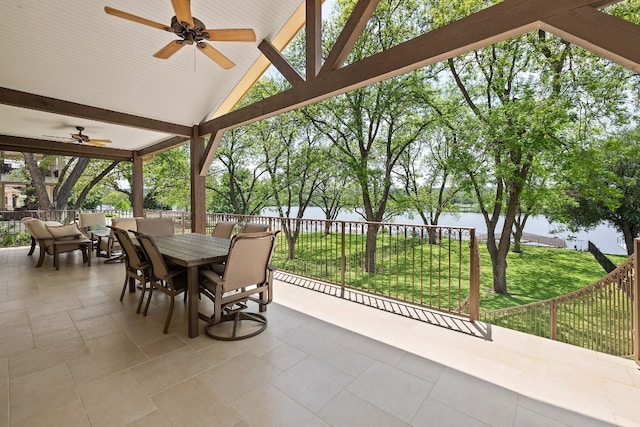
(313, 37)
(281, 63)
(58, 106)
(167, 144)
(608, 36)
(349, 35)
(32, 145)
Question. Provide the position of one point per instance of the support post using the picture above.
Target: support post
(636, 301)
(474, 278)
(137, 186)
(198, 205)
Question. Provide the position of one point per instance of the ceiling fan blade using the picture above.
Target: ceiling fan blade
(77, 136)
(134, 18)
(182, 9)
(99, 141)
(232, 35)
(169, 49)
(215, 55)
(95, 144)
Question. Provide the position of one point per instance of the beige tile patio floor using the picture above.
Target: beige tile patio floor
(71, 354)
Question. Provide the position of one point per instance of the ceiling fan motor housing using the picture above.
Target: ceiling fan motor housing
(187, 33)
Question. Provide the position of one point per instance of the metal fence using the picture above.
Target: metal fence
(416, 264)
(599, 317)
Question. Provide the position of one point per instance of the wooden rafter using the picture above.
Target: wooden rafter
(281, 63)
(608, 36)
(313, 37)
(58, 106)
(352, 30)
(32, 145)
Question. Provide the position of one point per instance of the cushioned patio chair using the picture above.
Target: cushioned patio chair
(155, 226)
(171, 282)
(248, 277)
(97, 222)
(254, 227)
(224, 229)
(137, 268)
(47, 233)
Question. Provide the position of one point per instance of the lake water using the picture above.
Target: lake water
(603, 236)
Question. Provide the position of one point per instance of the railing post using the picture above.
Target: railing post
(553, 319)
(636, 301)
(343, 260)
(474, 278)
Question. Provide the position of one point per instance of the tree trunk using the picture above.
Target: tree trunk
(517, 236)
(628, 239)
(37, 178)
(370, 251)
(499, 265)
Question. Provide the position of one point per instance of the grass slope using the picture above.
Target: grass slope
(538, 274)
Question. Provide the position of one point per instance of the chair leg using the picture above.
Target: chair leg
(41, 258)
(33, 246)
(168, 321)
(146, 307)
(142, 291)
(124, 287)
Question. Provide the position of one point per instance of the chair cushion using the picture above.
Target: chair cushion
(89, 219)
(96, 227)
(38, 229)
(124, 223)
(64, 231)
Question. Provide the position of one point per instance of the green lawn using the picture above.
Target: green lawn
(538, 274)
(412, 270)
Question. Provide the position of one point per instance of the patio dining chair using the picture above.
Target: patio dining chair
(224, 229)
(171, 282)
(255, 227)
(137, 268)
(155, 226)
(248, 277)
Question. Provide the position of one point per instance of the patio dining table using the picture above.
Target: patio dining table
(193, 251)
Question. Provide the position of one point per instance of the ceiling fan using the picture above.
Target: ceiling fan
(190, 30)
(82, 138)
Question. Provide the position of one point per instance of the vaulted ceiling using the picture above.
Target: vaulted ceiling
(67, 63)
(101, 65)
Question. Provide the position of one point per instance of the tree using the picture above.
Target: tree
(610, 190)
(68, 172)
(372, 127)
(336, 189)
(166, 182)
(426, 176)
(293, 165)
(529, 99)
(236, 176)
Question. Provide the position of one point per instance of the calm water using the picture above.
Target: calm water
(604, 236)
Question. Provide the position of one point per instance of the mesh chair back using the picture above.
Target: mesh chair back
(224, 229)
(249, 257)
(254, 227)
(155, 226)
(159, 269)
(89, 220)
(133, 256)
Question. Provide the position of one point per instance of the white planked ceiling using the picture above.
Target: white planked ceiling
(73, 51)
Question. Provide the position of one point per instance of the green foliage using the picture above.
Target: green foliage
(609, 190)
